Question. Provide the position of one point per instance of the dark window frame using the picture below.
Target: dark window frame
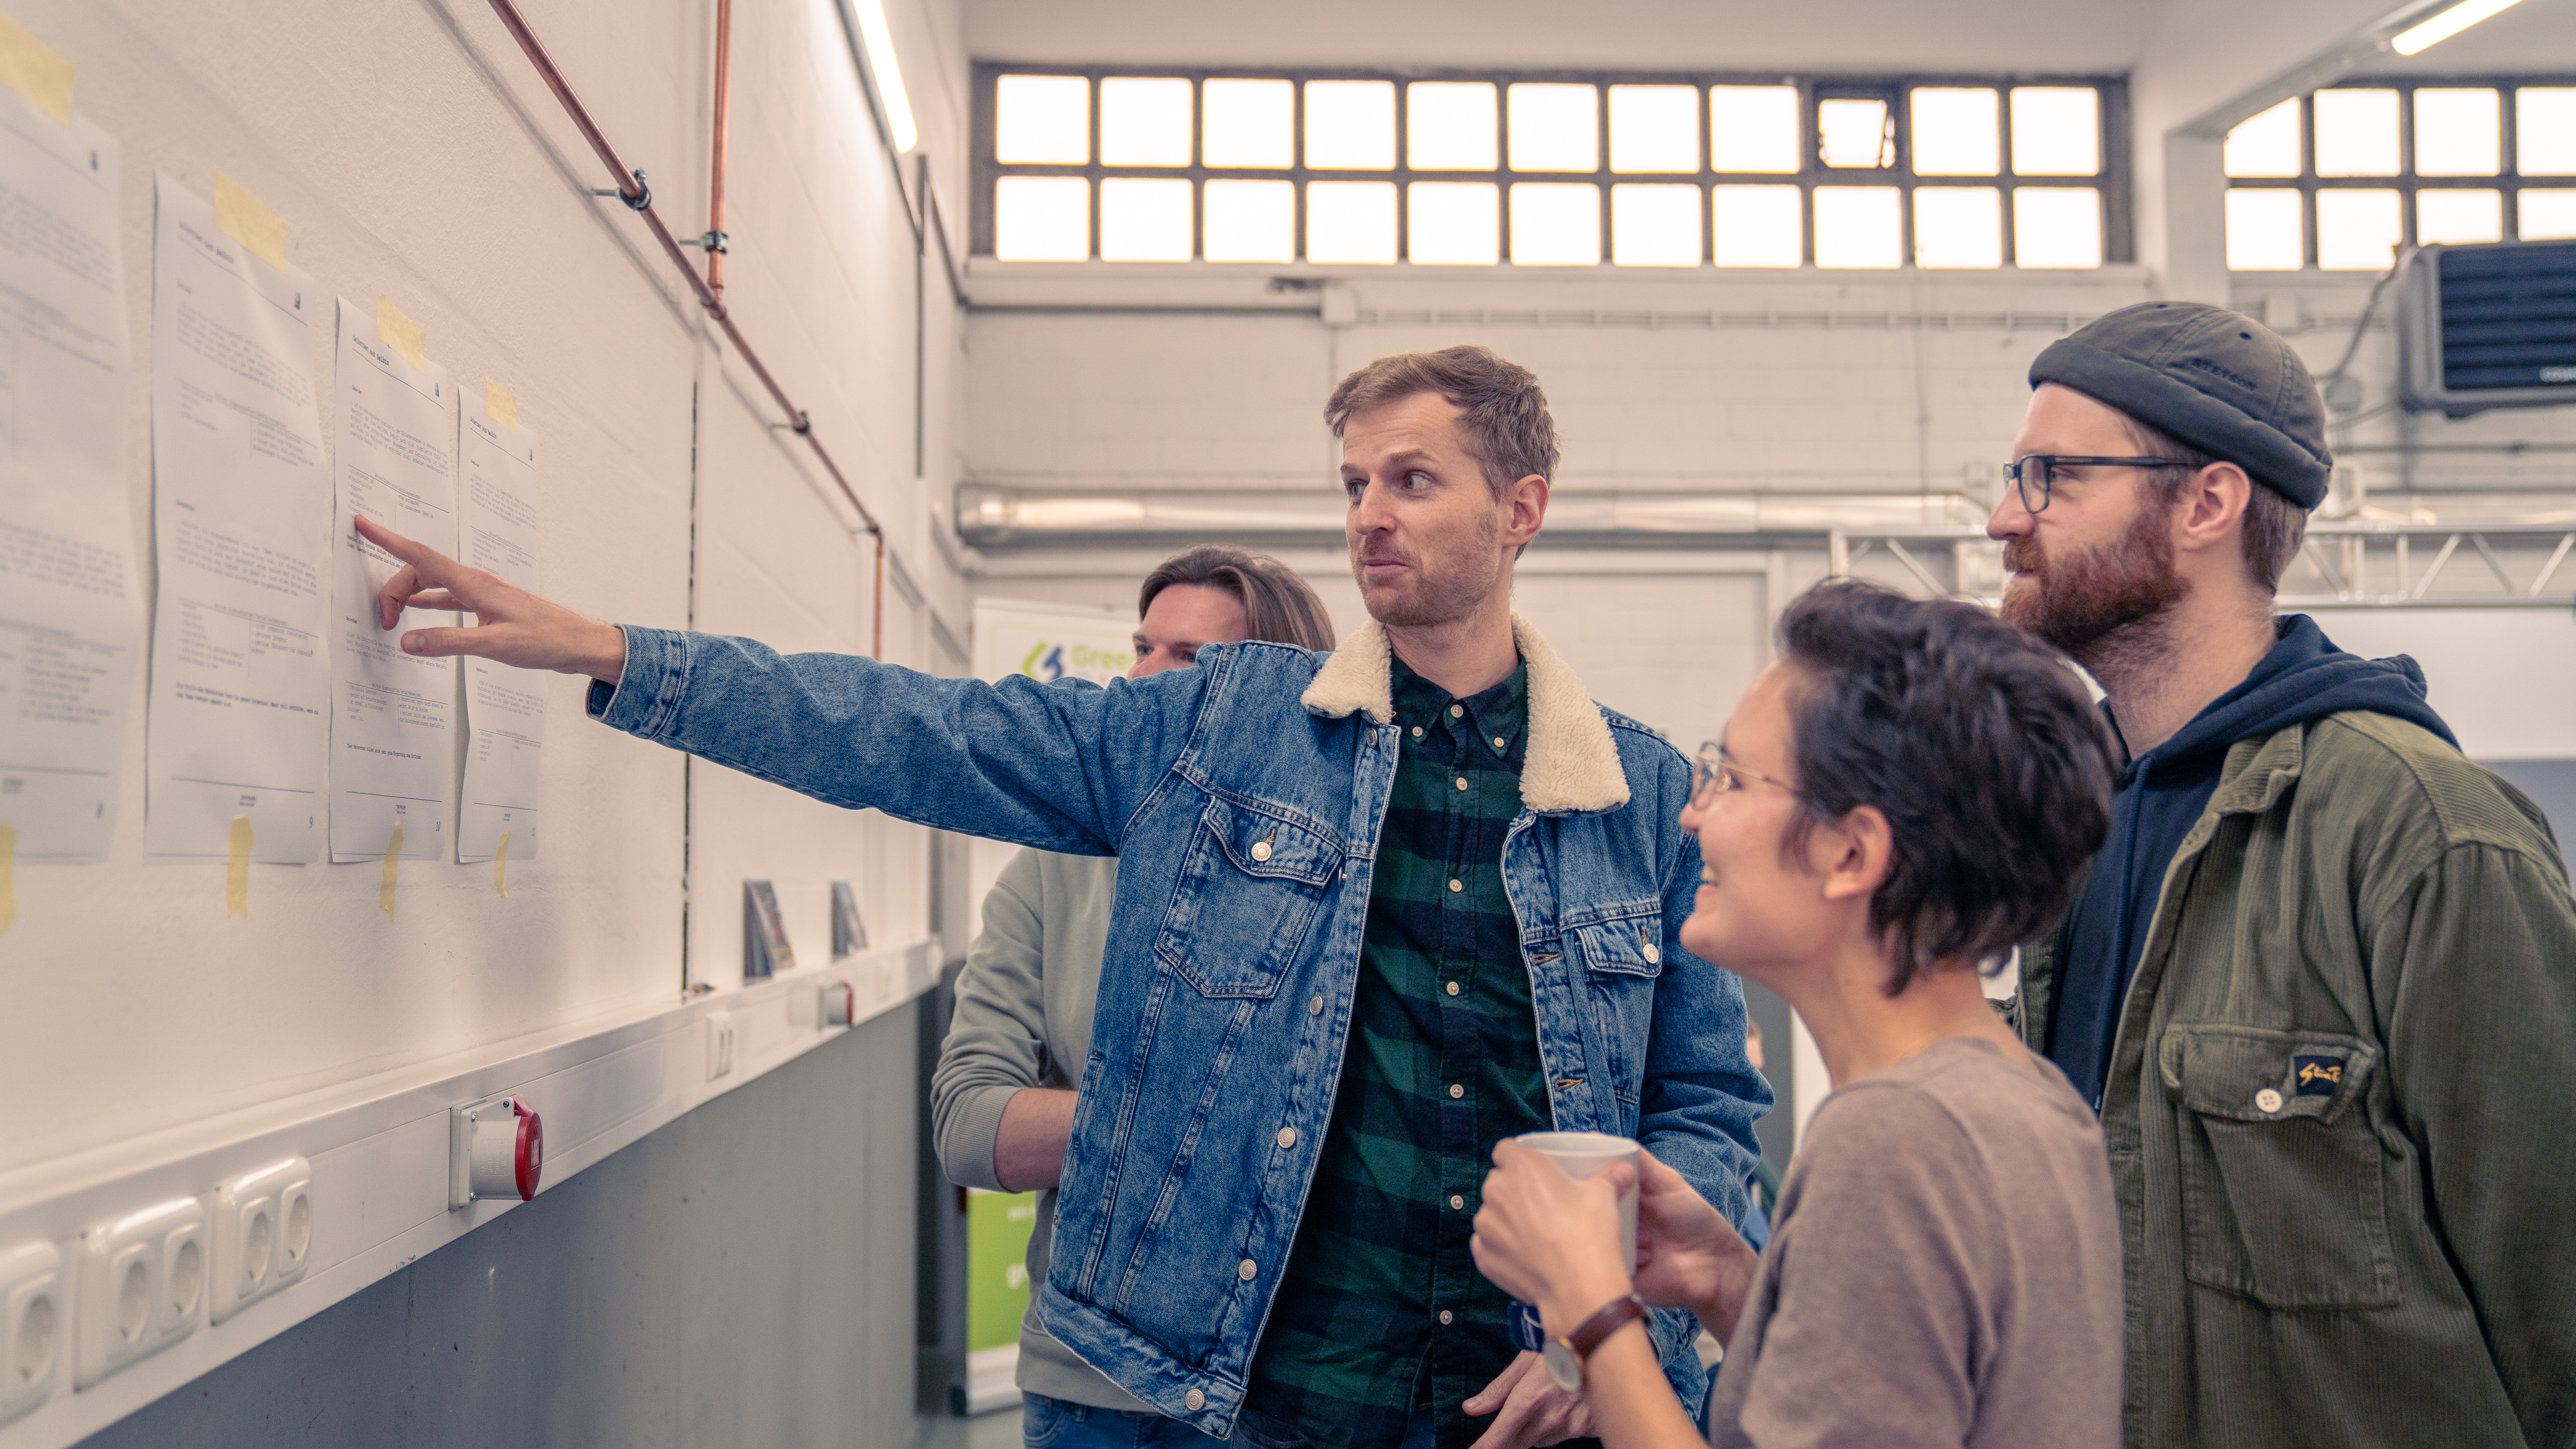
(2508, 179)
(2119, 245)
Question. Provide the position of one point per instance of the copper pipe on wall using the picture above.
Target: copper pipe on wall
(716, 165)
(631, 190)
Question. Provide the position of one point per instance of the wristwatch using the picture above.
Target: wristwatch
(1564, 1356)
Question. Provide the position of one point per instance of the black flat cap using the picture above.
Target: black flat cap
(2218, 380)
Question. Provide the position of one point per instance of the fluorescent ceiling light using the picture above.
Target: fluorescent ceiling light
(2445, 25)
(879, 44)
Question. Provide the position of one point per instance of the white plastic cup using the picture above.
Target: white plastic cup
(1582, 1154)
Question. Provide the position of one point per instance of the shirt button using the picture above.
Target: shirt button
(2267, 1100)
(1287, 1136)
(1316, 1006)
(1462, 782)
(1457, 885)
(1457, 1200)
(1417, 732)
(1194, 1399)
(1246, 1269)
(1456, 1091)
(1456, 710)
(1261, 851)
(1652, 955)
(1453, 988)
(1499, 744)
(1444, 1317)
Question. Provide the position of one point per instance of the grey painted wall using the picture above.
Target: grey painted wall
(743, 1276)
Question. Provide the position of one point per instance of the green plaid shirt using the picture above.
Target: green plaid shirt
(1382, 1306)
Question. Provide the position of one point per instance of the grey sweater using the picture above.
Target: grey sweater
(1024, 1020)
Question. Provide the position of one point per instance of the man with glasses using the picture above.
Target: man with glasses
(2321, 981)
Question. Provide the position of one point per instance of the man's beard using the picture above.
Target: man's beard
(1447, 587)
(2098, 604)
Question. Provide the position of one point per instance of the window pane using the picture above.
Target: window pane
(2356, 133)
(1757, 226)
(1449, 126)
(1657, 226)
(1656, 128)
(1350, 125)
(1856, 226)
(1042, 120)
(2356, 229)
(2546, 213)
(1249, 221)
(2448, 215)
(1856, 134)
(1754, 128)
(2544, 128)
(1556, 224)
(1042, 219)
(2056, 131)
(2458, 132)
(1248, 123)
(1144, 122)
(2263, 225)
(1956, 131)
(1453, 224)
(2057, 226)
(1958, 226)
(1555, 127)
(1144, 220)
(1350, 221)
(2266, 144)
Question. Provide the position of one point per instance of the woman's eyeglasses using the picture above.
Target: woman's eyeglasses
(1716, 775)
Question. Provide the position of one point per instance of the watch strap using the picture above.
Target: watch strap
(1612, 1316)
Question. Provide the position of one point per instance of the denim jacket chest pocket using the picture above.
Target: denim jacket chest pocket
(1250, 889)
(1622, 956)
(2284, 1196)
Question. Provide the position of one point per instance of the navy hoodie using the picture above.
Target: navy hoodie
(2162, 794)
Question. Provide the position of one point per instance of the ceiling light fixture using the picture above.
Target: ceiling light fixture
(878, 42)
(2445, 25)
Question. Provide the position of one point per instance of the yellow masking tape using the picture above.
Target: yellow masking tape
(393, 863)
(237, 873)
(500, 867)
(30, 67)
(500, 405)
(239, 215)
(400, 333)
(9, 877)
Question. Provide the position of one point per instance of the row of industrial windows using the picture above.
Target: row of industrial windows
(1549, 172)
(1553, 172)
(2341, 178)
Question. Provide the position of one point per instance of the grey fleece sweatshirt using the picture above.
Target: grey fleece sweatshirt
(1024, 1020)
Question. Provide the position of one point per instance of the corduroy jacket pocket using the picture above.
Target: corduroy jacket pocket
(2284, 1188)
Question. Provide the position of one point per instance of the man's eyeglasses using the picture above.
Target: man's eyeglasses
(2034, 473)
(1716, 775)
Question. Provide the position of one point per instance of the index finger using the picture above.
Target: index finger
(425, 561)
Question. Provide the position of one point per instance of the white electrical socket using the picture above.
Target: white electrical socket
(263, 1234)
(35, 1323)
(143, 1286)
(720, 1040)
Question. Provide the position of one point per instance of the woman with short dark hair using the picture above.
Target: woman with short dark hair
(1912, 789)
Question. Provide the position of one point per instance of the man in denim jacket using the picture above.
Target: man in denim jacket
(1376, 910)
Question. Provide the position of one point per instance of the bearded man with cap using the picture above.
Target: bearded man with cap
(2321, 984)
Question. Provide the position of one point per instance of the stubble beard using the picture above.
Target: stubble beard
(1446, 588)
(2103, 606)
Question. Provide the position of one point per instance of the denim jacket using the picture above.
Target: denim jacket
(1244, 798)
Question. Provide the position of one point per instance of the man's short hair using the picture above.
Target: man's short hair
(1989, 761)
(2273, 525)
(1279, 607)
(1502, 414)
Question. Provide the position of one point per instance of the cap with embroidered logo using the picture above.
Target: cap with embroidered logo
(2215, 379)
